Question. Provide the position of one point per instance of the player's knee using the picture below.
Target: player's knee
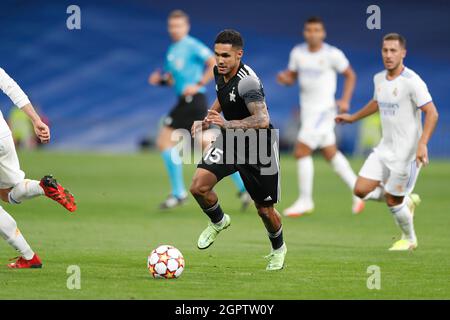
(199, 189)
(298, 153)
(4, 194)
(160, 144)
(393, 201)
(263, 211)
(360, 192)
(301, 151)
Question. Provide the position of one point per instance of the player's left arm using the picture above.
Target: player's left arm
(431, 118)
(250, 90)
(347, 92)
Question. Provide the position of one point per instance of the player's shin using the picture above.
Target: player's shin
(276, 238)
(342, 167)
(10, 232)
(404, 219)
(25, 190)
(215, 213)
(237, 180)
(272, 221)
(305, 171)
(174, 168)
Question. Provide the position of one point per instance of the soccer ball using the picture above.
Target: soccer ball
(165, 262)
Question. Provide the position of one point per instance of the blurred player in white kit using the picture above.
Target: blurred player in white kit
(390, 172)
(315, 65)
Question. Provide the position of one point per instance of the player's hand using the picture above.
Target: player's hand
(422, 155)
(214, 117)
(155, 77)
(344, 118)
(191, 90)
(199, 126)
(343, 105)
(284, 78)
(42, 131)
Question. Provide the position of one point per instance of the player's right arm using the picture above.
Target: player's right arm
(20, 99)
(366, 111)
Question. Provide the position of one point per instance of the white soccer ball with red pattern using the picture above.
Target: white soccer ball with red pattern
(165, 262)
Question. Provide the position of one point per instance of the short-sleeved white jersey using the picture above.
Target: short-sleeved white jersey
(15, 93)
(317, 76)
(399, 102)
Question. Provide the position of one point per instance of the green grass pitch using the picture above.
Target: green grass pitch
(118, 224)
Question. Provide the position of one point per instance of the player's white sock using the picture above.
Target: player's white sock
(305, 172)
(25, 190)
(377, 194)
(342, 167)
(9, 232)
(404, 220)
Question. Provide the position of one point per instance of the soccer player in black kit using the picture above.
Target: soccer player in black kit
(240, 97)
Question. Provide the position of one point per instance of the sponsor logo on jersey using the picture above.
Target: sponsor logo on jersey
(388, 108)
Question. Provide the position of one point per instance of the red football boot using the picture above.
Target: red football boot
(22, 263)
(56, 192)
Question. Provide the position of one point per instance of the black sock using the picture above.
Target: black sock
(215, 213)
(276, 239)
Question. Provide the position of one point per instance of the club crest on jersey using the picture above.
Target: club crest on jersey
(232, 96)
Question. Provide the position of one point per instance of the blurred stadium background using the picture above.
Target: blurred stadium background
(92, 83)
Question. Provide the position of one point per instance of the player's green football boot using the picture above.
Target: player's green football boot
(209, 235)
(403, 245)
(276, 258)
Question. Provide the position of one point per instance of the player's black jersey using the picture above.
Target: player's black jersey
(232, 101)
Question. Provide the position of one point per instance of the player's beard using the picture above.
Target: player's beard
(394, 67)
(228, 71)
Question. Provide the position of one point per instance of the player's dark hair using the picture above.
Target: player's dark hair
(315, 19)
(396, 36)
(178, 14)
(230, 36)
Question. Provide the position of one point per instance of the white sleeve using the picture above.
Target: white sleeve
(419, 92)
(293, 65)
(338, 60)
(12, 90)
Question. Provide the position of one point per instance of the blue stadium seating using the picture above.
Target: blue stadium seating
(92, 83)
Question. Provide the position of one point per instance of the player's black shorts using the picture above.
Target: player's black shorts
(261, 177)
(186, 111)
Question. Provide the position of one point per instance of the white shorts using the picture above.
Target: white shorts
(395, 183)
(317, 140)
(10, 173)
(317, 131)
